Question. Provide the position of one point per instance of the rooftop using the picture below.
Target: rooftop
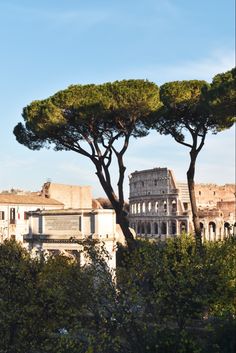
(27, 199)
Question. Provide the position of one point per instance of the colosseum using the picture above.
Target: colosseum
(160, 206)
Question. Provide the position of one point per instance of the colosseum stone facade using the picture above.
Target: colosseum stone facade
(160, 206)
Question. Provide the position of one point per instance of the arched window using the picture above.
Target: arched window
(148, 228)
(212, 227)
(143, 207)
(135, 208)
(165, 206)
(143, 228)
(173, 227)
(139, 228)
(156, 207)
(149, 206)
(183, 227)
(227, 229)
(139, 207)
(163, 228)
(156, 228)
(212, 231)
(174, 206)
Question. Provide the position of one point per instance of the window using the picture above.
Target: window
(165, 206)
(156, 207)
(26, 215)
(80, 223)
(199, 193)
(174, 208)
(142, 228)
(143, 207)
(183, 227)
(2, 215)
(163, 228)
(173, 227)
(155, 228)
(12, 215)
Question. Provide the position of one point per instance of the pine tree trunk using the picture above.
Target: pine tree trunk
(122, 220)
(191, 188)
(118, 205)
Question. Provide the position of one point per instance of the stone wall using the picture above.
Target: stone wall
(210, 194)
(72, 196)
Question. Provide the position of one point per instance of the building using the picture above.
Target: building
(58, 220)
(160, 206)
(14, 213)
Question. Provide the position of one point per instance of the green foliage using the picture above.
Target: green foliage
(196, 106)
(90, 120)
(188, 111)
(166, 299)
(18, 309)
(88, 112)
(183, 294)
(222, 95)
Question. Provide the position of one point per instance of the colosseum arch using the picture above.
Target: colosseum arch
(173, 207)
(143, 207)
(148, 228)
(139, 227)
(227, 229)
(149, 206)
(165, 206)
(173, 227)
(138, 208)
(155, 228)
(202, 230)
(163, 228)
(156, 206)
(183, 227)
(142, 228)
(212, 230)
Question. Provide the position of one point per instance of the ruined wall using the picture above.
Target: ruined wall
(210, 194)
(227, 209)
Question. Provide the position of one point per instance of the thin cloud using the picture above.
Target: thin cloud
(154, 14)
(82, 17)
(206, 68)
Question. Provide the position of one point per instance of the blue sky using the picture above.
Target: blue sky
(46, 45)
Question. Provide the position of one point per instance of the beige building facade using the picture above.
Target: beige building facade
(160, 206)
(58, 220)
(14, 210)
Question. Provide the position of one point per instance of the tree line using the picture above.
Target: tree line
(166, 299)
(98, 121)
